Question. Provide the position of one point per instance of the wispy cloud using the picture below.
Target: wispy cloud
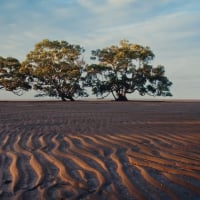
(104, 5)
(171, 28)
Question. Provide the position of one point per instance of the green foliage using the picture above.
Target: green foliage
(55, 69)
(125, 69)
(11, 78)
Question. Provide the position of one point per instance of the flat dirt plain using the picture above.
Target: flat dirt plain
(100, 150)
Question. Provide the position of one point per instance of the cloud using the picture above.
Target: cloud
(170, 28)
(160, 29)
(97, 15)
(119, 3)
(174, 38)
(104, 6)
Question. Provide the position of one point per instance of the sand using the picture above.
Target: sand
(100, 150)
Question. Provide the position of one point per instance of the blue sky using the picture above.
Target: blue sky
(170, 27)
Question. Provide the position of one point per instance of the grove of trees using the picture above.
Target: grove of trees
(57, 69)
(11, 77)
(125, 69)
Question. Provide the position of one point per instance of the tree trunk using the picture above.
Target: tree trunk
(63, 98)
(121, 97)
(71, 99)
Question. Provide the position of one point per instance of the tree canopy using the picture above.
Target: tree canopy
(11, 78)
(125, 69)
(55, 69)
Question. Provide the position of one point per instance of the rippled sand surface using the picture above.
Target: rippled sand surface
(100, 150)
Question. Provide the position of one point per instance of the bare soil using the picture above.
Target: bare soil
(100, 150)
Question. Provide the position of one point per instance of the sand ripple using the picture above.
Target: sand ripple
(40, 161)
(100, 167)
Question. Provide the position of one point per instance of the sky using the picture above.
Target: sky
(171, 28)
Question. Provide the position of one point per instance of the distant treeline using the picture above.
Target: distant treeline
(57, 69)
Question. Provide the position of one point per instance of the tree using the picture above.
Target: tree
(11, 78)
(56, 69)
(124, 69)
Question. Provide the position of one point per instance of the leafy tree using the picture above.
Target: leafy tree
(56, 69)
(11, 78)
(124, 69)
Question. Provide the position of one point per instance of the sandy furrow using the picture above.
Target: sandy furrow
(164, 138)
(190, 151)
(8, 146)
(151, 159)
(4, 143)
(125, 180)
(195, 137)
(81, 163)
(13, 170)
(131, 138)
(162, 142)
(128, 145)
(171, 141)
(120, 168)
(173, 161)
(138, 162)
(179, 158)
(87, 153)
(101, 145)
(163, 161)
(59, 165)
(18, 156)
(154, 139)
(109, 143)
(127, 140)
(86, 144)
(29, 142)
(38, 169)
(59, 153)
(185, 145)
(186, 139)
(170, 152)
(156, 183)
(183, 183)
(95, 143)
(34, 142)
(42, 141)
(1, 176)
(99, 150)
(34, 163)
(65, 179)
(141, 143)
(173, 155)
